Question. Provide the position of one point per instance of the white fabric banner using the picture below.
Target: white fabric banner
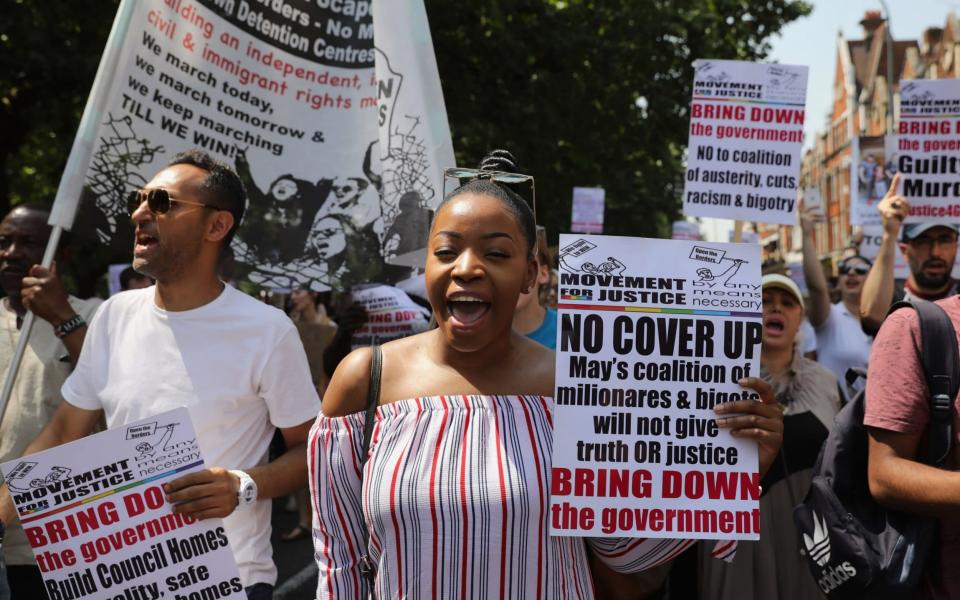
(341, 143)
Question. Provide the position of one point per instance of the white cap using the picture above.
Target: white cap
(783, 282)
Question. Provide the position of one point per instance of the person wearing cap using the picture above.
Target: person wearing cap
(841, 341)
(772, 567)
(930, 250)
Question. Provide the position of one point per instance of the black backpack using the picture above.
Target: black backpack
(856, 548)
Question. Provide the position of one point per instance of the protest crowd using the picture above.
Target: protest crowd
(453, 401)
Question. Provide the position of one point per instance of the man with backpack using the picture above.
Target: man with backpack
(898, 416)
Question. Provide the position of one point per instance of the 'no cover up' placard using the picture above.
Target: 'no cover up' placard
(100, 528)
(929, 149)
(746, 133)
(653, 334)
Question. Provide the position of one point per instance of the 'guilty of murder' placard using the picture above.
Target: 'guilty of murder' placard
(100, 527)
(928, 149)
(653, 334)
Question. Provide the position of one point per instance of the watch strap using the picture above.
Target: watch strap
(69, 326)
(245, 481)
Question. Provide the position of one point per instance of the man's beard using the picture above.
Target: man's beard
(168, 262)
(932, 283)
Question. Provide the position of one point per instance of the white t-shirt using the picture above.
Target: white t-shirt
(841, 343)
(237, 364)
(808, 337)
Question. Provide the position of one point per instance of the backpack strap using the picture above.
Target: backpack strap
(367, 568)
(941, 367)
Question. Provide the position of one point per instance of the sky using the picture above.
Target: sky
(812, 41)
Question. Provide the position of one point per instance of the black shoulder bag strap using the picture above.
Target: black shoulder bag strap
(367, 568)
(941, 366)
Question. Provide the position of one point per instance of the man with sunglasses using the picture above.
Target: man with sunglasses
(930, 250)
(236, 363)
(841, 342)
(54, 347)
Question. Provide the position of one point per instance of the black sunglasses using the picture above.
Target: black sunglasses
(858, 269)
(158, 201)
(519, 184)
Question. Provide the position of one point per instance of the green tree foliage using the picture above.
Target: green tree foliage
(590, 93)
(49, 51)
(583, 92)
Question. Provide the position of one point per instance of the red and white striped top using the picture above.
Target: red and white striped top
(456, 498)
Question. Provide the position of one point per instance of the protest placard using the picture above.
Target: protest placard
(391, 315)
(646, 348)
(870, 249)
(340, 144)
(813, 201)
(872, 172)
(685, 230)
(100, 527)
(928, 148)
(746, 132)
(587, 212)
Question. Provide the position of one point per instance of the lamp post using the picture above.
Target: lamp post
(889, 44)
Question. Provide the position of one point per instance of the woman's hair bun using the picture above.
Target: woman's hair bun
(499, 160)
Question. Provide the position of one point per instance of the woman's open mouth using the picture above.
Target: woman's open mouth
(773, 326)
(467, 310)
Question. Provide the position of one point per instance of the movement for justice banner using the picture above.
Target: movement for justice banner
(645, 350)
(95, 515)
(331, 112)
(746, 133)
(928, 146)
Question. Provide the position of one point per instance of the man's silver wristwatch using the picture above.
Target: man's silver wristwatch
(247, 493)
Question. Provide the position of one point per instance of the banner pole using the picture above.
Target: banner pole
(71, 182)
(738, 231)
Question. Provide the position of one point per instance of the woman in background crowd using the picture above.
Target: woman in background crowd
(772, 568)
(455, 492)
(841, 342)
(316, 329)
(532, 318)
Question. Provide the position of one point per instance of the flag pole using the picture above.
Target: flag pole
(71, 182)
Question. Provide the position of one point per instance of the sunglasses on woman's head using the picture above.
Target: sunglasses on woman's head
(158, 201)
(858, 269)
(519, 184)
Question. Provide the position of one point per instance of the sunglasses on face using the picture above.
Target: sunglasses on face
(926, 242)
(158, 201)
(519, 184)
(858, 269)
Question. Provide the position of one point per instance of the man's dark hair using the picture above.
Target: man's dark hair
(222, 186)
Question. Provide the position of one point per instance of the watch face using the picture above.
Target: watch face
(248, 494)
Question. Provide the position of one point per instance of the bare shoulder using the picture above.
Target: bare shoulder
(539, 367)
(347, 392)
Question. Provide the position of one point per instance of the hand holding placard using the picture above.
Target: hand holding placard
(761, 421)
